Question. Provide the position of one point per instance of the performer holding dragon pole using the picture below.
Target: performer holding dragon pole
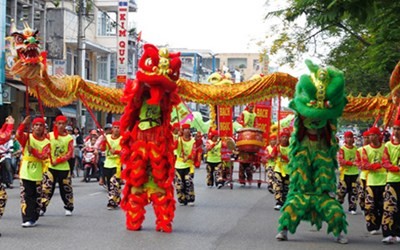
(147, 143)
(319, 100)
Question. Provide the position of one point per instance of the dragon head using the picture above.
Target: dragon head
(159, 70)
(26, 44)
(319, 97)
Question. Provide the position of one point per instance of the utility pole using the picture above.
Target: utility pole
(81, 55)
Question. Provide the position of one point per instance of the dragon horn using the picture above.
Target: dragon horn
(26, 25)
(13, 27)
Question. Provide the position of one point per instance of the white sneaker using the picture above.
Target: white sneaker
(68, 213)
(374, 232)
(191, 204)
(389, 240)
(220, 186)
(282, 235)
(277, 207)
(341, 239)
(41, 213)
(397, 239)
(29, 224)
(353, 212)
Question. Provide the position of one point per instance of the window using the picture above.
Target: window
(106, 24)
(102, 68)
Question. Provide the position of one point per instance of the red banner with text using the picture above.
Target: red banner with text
(263, 118)
(225, 124)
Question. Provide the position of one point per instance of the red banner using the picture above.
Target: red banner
(225, 124)
(263, 118)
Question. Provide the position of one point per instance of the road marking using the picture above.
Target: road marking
(93, 194)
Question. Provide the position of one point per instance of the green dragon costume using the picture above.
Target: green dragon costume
(318, 101)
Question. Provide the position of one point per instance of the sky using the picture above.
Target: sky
(217, 25)
(221, 26)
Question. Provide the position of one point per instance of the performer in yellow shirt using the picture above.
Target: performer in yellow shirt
(184, 168)
(112, 164)
(270, 164)
(376, 180)
(281, 177)
(36, 150)
(391, 202)
(348, 173)
(62, 149)
(363, 172)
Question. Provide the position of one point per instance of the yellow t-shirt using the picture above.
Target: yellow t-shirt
(59, 148)
(32, 167)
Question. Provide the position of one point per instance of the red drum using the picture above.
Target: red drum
(249, 140)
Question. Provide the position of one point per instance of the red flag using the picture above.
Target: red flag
(139, 36)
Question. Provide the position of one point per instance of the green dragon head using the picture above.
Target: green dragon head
(320, 96)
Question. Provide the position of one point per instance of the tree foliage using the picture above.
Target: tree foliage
(360, 37)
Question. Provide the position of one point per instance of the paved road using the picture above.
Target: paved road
(242, 218)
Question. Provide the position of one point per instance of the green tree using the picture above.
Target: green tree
(361, 37)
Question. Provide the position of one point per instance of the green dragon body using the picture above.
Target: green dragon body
(318, 101)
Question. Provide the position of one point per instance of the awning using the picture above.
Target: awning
(68, 111)
(19, 87)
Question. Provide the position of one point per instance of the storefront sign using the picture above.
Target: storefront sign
(122, 42)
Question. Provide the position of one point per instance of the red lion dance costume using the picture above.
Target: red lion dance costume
(147, 144)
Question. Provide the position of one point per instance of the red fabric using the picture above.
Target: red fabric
(366, 133)
(348, 134)
(116, 124)
(186, 126)
(61, 118)
(374, 131)
(38, 120)
(396, 123)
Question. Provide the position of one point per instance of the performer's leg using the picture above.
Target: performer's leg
(114, 193)
(3, 199)
(361, 194)
(48, 187)
(242, 177)
(164, 208)
(390, 210)
(249, 173)
(285, 187)
(270, 179)
(189, 186)
(293, 212)
(180, 186)
(218, 174)
(332, 212)
(210, 174)
(133, 202)
(352, 192)
(278, 190)
(66, 191)
(341, 191)
(371, 214)
(30, 200)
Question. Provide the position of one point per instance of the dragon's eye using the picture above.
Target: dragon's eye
(148, 62)
(26, 42)
(19, 39)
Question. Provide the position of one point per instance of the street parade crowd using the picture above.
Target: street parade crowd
(143, 159)
(368, 175)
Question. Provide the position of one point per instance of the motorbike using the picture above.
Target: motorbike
(90, 165)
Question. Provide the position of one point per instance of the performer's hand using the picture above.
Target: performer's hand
(394, 169)
(375, 166)
(349, 163)
(10, 120)
(26, 121)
